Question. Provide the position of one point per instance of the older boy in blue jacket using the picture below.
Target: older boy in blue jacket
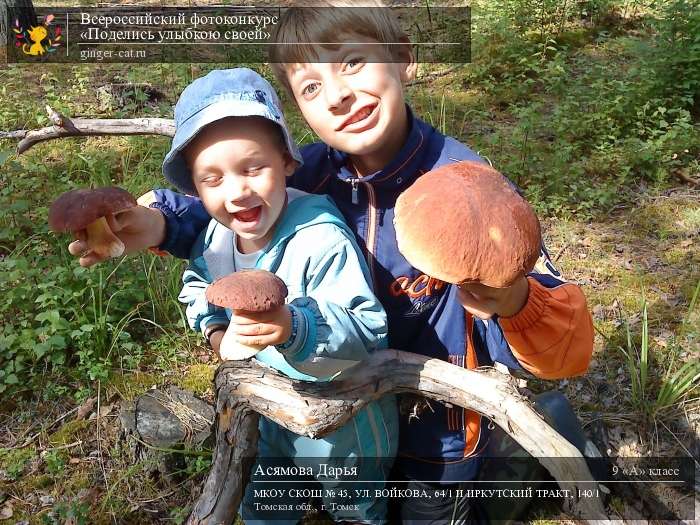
(373, 148)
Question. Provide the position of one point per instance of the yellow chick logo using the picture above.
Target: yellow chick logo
(37, 40)
(36, 35)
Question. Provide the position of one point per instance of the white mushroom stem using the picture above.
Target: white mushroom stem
(232, 350)
(102, 241)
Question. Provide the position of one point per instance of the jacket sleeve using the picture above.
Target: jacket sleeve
(340, 319)
(200, 313)
(552, 336)
(185, 218)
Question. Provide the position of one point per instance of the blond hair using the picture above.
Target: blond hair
(301, 28)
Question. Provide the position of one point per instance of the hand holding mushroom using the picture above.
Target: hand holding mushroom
(259, 316)
(463, 223)
(89, 211)
(107, 222)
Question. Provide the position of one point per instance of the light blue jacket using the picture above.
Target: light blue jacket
(316, 255)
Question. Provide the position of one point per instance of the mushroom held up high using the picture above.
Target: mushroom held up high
(464, 223)
(246, 291)
(86, 209)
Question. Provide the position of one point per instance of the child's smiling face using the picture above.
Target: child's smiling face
(353, 99)
(239, 166)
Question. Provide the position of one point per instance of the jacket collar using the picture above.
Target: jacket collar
(403, 169)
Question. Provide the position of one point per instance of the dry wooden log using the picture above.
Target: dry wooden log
(234, 455)
(83, 127)
(315, 409)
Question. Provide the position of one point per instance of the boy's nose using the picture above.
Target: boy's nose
(235, 190)
(337, 93)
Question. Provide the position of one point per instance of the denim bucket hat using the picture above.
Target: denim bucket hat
(222, 93)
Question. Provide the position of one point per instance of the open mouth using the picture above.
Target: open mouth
(358, 118)
(249, 216)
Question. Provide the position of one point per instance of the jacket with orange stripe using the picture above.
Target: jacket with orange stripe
(551, 337)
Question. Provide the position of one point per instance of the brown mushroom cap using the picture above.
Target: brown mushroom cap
(249, 290)
(464, 222)
(74, 210)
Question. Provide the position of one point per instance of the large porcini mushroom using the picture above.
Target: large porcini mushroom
(85, 209)
(464, 223)
(246, 291)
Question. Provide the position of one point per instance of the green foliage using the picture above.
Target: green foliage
(676, 386)
(197, 464)
(638, 364)
(178, 515)
(597, 112)
(674, 56)
(55, 461)
(59, 315)
(14, 461)
(65, 326)
(75, 512)
(654, 392)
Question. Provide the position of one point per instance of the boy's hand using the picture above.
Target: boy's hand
(483, 302)
(138, 228)
(262, 328)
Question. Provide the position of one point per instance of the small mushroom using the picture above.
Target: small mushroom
(246, 291)
(85, 209)
(464, 223)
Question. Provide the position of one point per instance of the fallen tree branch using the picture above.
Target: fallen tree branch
(316, 409)
(83, 127)
(687, 179)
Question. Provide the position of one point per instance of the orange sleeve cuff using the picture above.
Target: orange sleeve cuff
(156, 251)
(552, 336)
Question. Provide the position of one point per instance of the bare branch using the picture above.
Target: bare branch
(83, 127)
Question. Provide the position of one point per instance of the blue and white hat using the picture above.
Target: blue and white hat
(222, 93)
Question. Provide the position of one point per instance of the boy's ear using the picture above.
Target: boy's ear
(407, 61)
(290, 165)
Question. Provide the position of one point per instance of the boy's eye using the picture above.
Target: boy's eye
(309, 89)
(353, 63)
(211, 180)
(254, 169)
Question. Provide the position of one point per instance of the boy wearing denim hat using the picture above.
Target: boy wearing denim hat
(373, 148)
(232, 148)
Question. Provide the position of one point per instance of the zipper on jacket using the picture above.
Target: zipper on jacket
(355, 197)
(372, 226)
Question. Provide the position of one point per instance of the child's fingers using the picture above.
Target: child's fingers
(257, 340)
(87, 258)
(90, 258)
(77, 247)
(254, 329)
(476, 305)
